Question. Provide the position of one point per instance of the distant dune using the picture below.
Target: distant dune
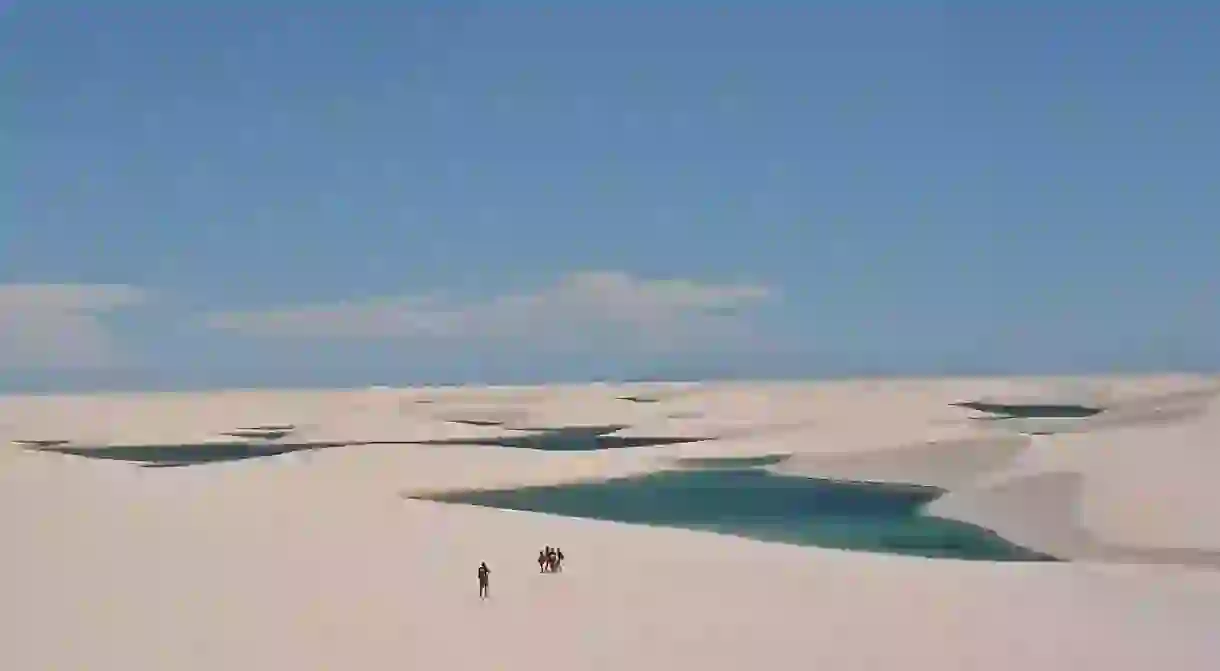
(269, 529)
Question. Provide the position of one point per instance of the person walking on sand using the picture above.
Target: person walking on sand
(558, 560)
(542, 561)
(484, 580)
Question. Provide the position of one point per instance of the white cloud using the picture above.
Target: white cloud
(60, 325)
(605, 310)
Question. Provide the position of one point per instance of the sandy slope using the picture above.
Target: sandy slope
(314, 561)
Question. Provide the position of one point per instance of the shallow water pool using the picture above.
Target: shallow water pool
(755, 503)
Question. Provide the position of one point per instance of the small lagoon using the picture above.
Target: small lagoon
(738, 497)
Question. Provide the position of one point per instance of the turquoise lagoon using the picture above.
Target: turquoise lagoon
(738, 497)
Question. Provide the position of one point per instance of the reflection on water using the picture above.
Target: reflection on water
(754, 503)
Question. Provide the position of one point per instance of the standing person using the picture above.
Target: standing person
(558, 559)
(484, 580)
(550, 559)
(542, 561)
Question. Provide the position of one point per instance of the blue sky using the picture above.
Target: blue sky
(209, 194)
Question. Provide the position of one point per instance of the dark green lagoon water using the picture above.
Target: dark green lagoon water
(738, 500)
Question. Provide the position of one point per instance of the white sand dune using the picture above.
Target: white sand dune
(1150, 487)
(945, 463)
(312, 559)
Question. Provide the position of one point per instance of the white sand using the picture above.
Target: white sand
(313, 561)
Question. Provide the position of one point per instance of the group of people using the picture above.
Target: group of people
(550, 560)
